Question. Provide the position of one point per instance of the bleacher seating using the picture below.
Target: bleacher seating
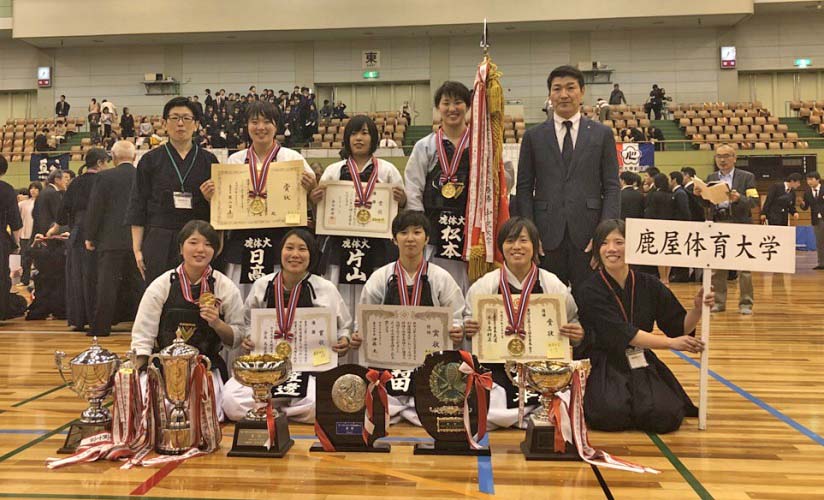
(330, 132)
(17, 135)
(812, 112)
(514, 128)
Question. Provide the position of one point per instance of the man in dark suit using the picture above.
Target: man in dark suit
(632, 200)
(814, 201)
(10, 225)
(696, 205)
(743, 198)
(780, 202)
(118, 280)
(681, 211)
(568, 178)
(61, 109)
(48, 203)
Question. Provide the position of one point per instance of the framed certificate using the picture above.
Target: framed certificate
(400, 337)
(284, 205)
(338, 216)
(544, 317)
(315, 330)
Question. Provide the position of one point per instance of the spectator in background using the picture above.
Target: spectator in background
(617, 96)
(654, 135)
(814, 202)
(94, 117)
(196, 102)
(146, 129)
(660, 205)
(127, 124)
(209, 100)
(632, 200)
(26, 208)
(41, 141)
(648, 179)
(61, 109)
(681, 211)
(387, 141)
(340, 110)
(780, 202)
(655, 103)
(106, 118)
(60, 132)
(310, 126)
(326, 111)
(405, 113)
(9, 242)
(696, 205)
(106, 104)
(602, 108)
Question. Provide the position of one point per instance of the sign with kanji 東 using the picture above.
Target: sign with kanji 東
(371, 59)
(711, 245)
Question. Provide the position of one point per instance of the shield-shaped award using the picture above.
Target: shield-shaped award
(441, 401)
(341, 412)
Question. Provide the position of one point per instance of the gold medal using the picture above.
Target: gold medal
(516, 347)
(364, 216)
(448, 190)
(283, 349)
(256, 206)
(207, 299)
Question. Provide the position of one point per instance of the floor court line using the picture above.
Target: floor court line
(38, 396)
(680, 467)
(757, 401)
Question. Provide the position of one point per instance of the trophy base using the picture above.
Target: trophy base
(251, 435)
(540, 444)
(451, 448)
(376, 448)
(78, 432)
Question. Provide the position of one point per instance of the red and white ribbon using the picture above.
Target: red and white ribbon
(362, 194)
(449, 169)
(516, 318)
(271, 429)
(325, 442)
(286, 314)
(417, 288)
(186, 285)
(377, 382)
(259, 179)
(482, 383)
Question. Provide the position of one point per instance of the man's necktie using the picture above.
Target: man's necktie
(566, 152)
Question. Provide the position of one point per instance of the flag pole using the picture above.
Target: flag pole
(703, 378)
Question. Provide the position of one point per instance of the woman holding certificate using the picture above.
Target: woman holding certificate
(191, 294)
(411, 281)
(349, 261)
(518, 241)
(243, 264)
(292, 287)
(437, 180)
(629, 387)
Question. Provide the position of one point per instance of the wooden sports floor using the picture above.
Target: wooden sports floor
(765, 438)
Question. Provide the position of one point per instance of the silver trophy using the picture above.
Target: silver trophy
(178, 360)
(92, 378)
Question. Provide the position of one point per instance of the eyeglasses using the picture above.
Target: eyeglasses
(184, 118)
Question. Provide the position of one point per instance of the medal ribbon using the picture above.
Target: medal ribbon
(362, 195)
(377, 381)
(259, 181)
(270, 426)
(516, 320)
(286, 315)
(417, 289)
(482, 383)
(186, 285)
(449, 169)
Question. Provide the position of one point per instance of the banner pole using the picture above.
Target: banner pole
(703, 378)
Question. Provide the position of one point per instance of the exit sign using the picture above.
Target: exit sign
(371, 75)
(803, 63)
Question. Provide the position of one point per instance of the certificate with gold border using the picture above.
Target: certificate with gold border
(284, 205)
(338, 215)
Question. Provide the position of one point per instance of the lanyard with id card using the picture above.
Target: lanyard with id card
(635, 355)
(182, 199)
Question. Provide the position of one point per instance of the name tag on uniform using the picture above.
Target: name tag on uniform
(183, 200)
(635, 357)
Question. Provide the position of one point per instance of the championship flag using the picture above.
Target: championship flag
(41, 164)
(488, 203)
(635, 156)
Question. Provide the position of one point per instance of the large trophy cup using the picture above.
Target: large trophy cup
(92, 378)
(545, 377)
(178, 360)
(264, 432)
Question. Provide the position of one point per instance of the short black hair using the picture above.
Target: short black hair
(814, 175)
(455, 90)
(652, 171)
(181, 102)
(53, 175)
(677, 177)
(628, 177)
(661, 182)
(688, 171)
(511, 230)
(202, 227)
(565, 70)
(410, 218)
(356, 123)
(4, 165)
(265, 109)
(208, 91)
(63, 96)
(794, 177)
(600, 236)
(306, 236)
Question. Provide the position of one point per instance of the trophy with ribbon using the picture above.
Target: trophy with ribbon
(264, 431)
(451, 398)
(92, 378)
(351, 410)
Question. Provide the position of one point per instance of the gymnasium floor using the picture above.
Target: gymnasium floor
(765, 437)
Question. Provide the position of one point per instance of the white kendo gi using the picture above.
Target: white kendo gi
(238, 399)
(488, 284)
(445, 293)
(147, 320)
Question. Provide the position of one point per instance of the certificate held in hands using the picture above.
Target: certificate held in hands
(338, 214)
(543, 340)
(280, 200)
(400, 337)
(309, 343)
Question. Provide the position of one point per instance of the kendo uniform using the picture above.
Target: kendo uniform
(296, 396)
(160, 174)
(620, 398)
(503, 401)
(438, 289)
